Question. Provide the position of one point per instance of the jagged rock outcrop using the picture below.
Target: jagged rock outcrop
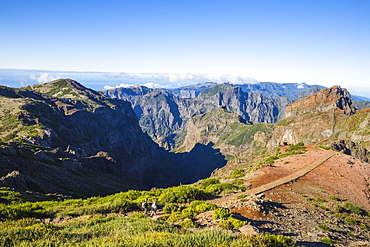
(324, 100)
(315, 118)
(329, 117)
(162, 115)
(227, 131)
(352, 148)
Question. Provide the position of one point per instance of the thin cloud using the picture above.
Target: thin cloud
(118, 86)
(122, 75)
(152, 85)
(124, 85)
(44, 77)
(189, 77)
(198, 78)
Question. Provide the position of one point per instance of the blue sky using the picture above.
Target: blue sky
(314, 41)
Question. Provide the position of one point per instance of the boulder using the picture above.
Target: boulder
(249, 230)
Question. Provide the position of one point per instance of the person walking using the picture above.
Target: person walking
(145, 205)
(154, 209)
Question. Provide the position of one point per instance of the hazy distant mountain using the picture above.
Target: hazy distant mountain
(268, 89)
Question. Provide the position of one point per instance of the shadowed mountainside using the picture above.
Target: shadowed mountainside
(64, 138)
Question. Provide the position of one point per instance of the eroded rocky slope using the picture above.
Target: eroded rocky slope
(162, 114)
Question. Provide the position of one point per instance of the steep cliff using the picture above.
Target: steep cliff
(233, 135)
(163, 115)
(324, 100)
(330, 117)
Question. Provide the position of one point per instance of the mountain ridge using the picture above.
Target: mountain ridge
(84, 134)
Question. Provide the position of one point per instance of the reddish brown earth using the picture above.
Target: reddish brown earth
(341, 175)
(287, 209)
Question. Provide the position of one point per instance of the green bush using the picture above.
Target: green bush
(354, 209)
(237, 173)
(333, 197)
(195, 203)
(237, 223)
(351, 220)
(324, 227)
(182, 194)
(204, 207)
(241, 196)
(221, 213)
(226, 224)
(320, 200)
(340, 216)
(364, 226)
(128, 232)
(238, 182)
(132, 195)
(271, 160)
(208, 181)
(177, 216)
(137, 216)
(224, 188)
(327, 240)
(187, 223)
(338, 208)
(170, 208)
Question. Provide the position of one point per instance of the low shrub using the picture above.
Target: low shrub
(224, 188)
(340, 216)
(237, 223)
(182, 194)
(351, 220)
(237, 173)
(238, 182)
(208, 181)
(177, 216)
(350, 234)
(170, 208)
(324, 227)
(187, 223)
(364, 226)
(241, 196)
(354, 209)
(333, 198)
(204, 207)
(137, 216)
(226, 224)
(320, 200)
(327, 240)
(221, 213)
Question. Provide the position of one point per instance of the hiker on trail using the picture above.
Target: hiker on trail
(153, 208)
(145, 205)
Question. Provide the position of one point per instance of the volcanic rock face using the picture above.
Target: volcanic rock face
(352, 148)
(324, 100)
(324, 115)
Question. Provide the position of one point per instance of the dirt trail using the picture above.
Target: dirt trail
(300, 173)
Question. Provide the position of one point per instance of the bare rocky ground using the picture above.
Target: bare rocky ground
(305, 209)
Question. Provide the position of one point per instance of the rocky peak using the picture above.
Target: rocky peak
(324, 100)
(66, 88)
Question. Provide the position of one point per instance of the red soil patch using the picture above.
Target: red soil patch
(342, 176)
